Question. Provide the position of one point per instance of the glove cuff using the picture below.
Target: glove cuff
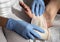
(10, 24)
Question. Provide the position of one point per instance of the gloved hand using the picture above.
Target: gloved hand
(38, 7)
(24, 29)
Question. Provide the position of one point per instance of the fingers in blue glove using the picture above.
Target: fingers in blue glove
(42, 8)
(35, 34)
(33, 7)
(31, 36)
(37, 9)
(41, 11)
(38, 28)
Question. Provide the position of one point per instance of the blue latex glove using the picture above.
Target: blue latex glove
(24, 29)
(38, 7)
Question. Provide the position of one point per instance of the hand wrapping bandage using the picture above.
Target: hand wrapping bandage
(38, 8)
(41, 22)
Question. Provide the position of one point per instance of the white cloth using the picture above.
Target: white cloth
(2, 37)
(41, 22)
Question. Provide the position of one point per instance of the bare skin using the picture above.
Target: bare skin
(50, 12)
(27, 10)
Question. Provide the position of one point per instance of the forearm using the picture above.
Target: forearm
(3, 21)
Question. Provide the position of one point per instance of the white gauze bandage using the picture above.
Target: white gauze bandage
(41, 22)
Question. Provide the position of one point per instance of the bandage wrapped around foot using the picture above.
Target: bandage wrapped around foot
(41, 22)
(38, 8)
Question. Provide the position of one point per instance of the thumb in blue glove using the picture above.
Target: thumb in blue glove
(24, 29)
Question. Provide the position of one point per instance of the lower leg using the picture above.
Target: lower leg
(50, 13)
